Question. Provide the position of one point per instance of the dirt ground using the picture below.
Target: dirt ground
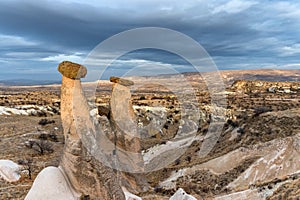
(254, 114)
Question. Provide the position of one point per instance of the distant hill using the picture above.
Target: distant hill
(262, 74)
(271, 75)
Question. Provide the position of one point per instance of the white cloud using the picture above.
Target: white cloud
(287, 9)
(7, 41)
(76, 57)
(290, 50)
(132, 67)
(147, 67)
(291, 66)
(23, 55)
(3, 61)
(137, 5)
(234, 6)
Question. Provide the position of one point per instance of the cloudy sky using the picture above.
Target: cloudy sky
(238, 34)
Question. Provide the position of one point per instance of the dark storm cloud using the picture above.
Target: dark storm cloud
(68, 26)
(236, 33)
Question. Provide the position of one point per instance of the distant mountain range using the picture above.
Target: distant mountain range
(27, 82)
(229, 77)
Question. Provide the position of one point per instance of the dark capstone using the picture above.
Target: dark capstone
(121, 81)
(72, 70)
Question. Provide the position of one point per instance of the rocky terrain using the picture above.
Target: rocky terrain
(256, 155)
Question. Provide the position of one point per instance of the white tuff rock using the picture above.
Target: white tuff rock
(182, 195)
(9, 170)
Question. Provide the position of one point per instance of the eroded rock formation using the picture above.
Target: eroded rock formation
(87, 175)
(126, 136)
(123, 124)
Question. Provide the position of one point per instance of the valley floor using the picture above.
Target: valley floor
(255, 155)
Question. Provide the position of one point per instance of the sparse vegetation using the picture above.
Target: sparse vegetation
(28, 166)
(255, 115)
(44, 122)
(41, 146)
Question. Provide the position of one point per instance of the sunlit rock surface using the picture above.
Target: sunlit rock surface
(9, 170)
(51, 184)
(182, 195)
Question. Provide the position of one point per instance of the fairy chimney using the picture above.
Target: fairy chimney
(127, 139)
(87, 175)
(123, 118)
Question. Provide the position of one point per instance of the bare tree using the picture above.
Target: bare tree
(27, 164)
(41, 146)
